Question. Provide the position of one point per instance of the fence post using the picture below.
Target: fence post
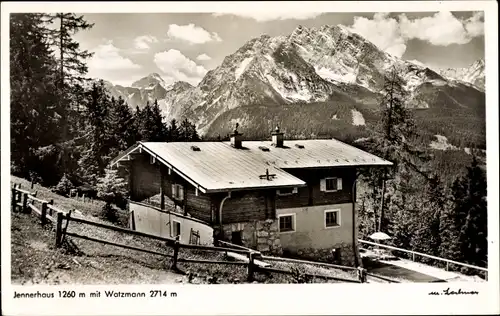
(59, 229)
(361, 275)
(44, 213)
(447, 265)
(25, 202)
(251, 266)
(413, 257)
(176, 253)
(14, 198)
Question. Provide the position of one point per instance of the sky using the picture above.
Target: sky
(184, 46)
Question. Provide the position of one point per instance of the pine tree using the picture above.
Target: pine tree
(122, 128)
(173, 131)
(95, 151)
(187, 131)
(472, 215)
(71, 71)
(427, 237)
(393, 140)
(34, 120)
(137, 117)
(464, 224)
(70, 58)
(64, 186)
(158, 128)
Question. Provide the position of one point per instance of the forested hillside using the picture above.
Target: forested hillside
(432, 202)
(63, 124)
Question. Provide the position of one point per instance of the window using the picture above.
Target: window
(236, 238)
(331, 184)
(287, 191)
(332, 218)
(287, 223)
(176, 229)
(178, 191)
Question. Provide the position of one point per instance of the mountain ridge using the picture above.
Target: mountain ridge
(328, 65)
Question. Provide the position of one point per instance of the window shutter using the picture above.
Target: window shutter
(181, 192)
(339, 184)
(322, 185)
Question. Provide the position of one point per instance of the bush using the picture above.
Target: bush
(35, 177)
(112, 188)
(109, 213)
(64, 186)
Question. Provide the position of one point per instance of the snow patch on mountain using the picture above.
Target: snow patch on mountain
(441, 143)
(216, 100)
(357, 118)
(335, 76)
(300, 93)
(243, 66)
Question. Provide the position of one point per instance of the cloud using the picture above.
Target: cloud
(382, 31)
(107, 57)
(442, 29)
(192, 34)
(143, 42)
(264, 16)
(203, 57)
(178, 67)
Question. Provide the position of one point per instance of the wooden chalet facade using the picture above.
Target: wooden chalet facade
(279, 196)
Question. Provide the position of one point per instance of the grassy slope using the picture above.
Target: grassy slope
(36, 260)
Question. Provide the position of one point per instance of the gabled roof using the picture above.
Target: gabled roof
(218, 167)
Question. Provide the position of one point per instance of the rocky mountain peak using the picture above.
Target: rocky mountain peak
(473, 74)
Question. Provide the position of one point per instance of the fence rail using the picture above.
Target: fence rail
(323, 264)
(415, 253)
(26, 201)
(382, 278)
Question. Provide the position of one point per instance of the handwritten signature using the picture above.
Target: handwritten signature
(448, 291)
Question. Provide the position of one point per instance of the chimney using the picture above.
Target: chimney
(236, 138)
(277, 137)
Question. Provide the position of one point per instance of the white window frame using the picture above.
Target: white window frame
(180, 229)
(294, 223)
(339, 219)
(294, 191)
(333, 178)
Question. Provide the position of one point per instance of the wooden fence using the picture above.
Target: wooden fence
(415, 253)
(27, 202)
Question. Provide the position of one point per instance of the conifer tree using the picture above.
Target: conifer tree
(71, 71)
(427, 237)
(187, 131)
(95, 152)
(34, 120)
(122, 126)
(173, 131)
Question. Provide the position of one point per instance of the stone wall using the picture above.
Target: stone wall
(262, 235)
(345, 254)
